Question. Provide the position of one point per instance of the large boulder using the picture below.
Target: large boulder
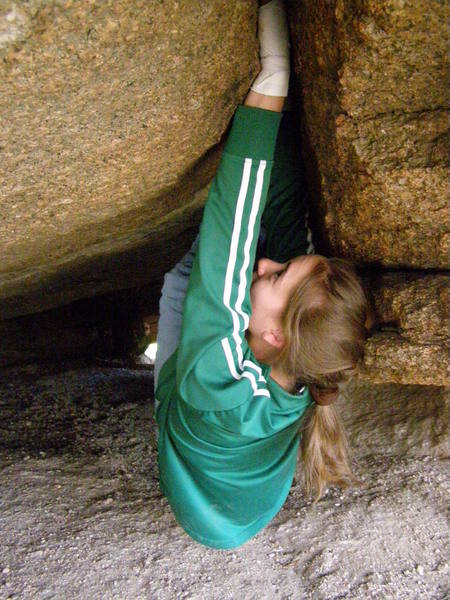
(373, 83)
(113, 114)
(109, 111)
(372, 77)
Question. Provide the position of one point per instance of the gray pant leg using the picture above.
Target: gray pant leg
(171, 308)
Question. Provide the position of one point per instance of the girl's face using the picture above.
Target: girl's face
(272, 287)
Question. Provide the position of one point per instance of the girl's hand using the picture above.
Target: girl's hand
(271, 85)
(273, 34)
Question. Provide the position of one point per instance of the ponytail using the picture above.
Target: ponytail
(324, 450)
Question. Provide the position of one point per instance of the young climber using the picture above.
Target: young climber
(243, 356)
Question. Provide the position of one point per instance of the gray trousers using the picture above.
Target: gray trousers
(171, 304)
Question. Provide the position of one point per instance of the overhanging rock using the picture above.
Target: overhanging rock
(109, 111)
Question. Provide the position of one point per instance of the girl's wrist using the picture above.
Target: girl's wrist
(256, 100)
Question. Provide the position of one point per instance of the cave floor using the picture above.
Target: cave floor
(82, 517)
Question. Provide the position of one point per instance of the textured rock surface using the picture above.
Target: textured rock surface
(411, 344)
(82, 515)
(107, 109)
(373, 79)
(405, 420)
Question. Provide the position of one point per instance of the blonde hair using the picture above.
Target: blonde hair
(324, 328)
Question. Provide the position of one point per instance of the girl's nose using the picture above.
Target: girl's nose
(267, 266)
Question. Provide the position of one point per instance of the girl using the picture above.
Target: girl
(257, 350)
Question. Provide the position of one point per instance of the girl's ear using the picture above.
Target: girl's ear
(274, 337)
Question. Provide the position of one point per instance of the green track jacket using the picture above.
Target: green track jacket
(228, 432)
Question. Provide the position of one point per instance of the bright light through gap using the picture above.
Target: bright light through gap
(151, 352)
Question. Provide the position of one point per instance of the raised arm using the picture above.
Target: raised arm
(215, 368)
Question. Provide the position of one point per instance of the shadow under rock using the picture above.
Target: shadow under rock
(89, 410)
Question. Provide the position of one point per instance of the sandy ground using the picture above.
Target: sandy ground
(81, 514)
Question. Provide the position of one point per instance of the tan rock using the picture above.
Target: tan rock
(373, 85)
(107, 109)
(411, 344)
(396, 420)
(373, 81)
(111, 117)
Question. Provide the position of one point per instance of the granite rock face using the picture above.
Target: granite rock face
(411, 344)
(108, 110)
(373, 82)
(372, 78)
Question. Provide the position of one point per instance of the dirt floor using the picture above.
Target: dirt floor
(82, 517)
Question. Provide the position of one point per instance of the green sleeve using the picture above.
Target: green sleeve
(215, 367)
(285, 215)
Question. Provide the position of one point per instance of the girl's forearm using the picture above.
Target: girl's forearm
(274, 103)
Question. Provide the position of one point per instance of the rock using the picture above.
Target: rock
(113, 115)
(410, 344)
(109, 111)
(396, 420)
(372, 81)
(373, 85)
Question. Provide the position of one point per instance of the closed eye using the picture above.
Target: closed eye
(278, 274)
(283, 271)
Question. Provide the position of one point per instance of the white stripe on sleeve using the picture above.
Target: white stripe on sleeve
(248, 241)
(250, 376)
(233, 254)
(239, 370)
